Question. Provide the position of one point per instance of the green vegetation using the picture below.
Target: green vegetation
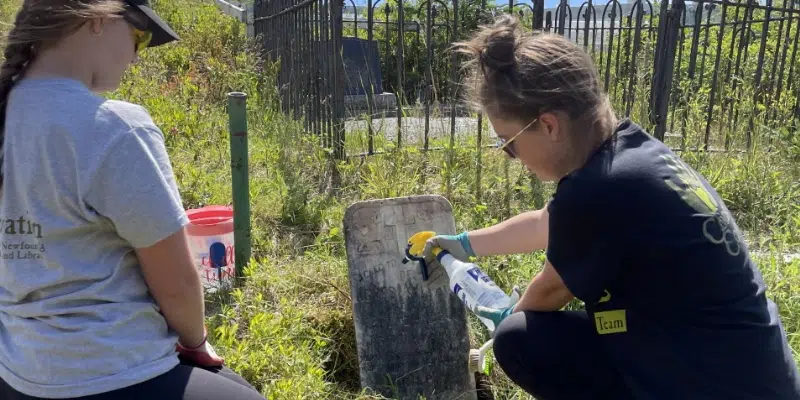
(748, 81)
(289, 328)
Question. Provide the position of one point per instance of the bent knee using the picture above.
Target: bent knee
(508, 337)
(510, 332)
(531, 338)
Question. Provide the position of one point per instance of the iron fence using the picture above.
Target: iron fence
(735, 72)
(306, 37)
(711, 75)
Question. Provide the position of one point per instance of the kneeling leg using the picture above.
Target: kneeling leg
(556, 355)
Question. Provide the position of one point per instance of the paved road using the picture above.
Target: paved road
(413, 128)
(787, 257)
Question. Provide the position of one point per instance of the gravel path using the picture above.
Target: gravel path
(413, 128)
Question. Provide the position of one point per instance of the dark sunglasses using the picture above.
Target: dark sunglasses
(141, 35)
(508, 145)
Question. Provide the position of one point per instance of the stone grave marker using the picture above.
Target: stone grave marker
(363, 91)
(362, 67)
(411, 334)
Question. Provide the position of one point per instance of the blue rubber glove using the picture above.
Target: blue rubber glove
(497, 315)
(457, 245)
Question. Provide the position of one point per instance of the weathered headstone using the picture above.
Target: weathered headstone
(362, 68)
(363, 91)
(411, 334)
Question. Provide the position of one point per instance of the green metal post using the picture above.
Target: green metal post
(237, 120)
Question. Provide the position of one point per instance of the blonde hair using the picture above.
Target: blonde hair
(518, 75)
(39, 24)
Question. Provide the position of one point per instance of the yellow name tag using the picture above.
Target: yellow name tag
(611, 322)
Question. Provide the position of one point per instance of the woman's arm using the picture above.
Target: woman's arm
(546, 292)
(175, 284)
(524, 233)
(134, 187)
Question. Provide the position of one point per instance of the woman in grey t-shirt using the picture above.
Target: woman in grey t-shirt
(98, 291)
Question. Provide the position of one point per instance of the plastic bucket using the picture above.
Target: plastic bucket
(211, 242)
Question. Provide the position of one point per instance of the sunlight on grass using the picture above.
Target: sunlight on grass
(289, 328)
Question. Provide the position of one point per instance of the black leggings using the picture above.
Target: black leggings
(556, 355)
(184, 382)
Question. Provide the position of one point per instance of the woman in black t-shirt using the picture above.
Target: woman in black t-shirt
(675, 307)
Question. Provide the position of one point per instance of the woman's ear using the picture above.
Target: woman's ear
(553, 127)
(96, 26)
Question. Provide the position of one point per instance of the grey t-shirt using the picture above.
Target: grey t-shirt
(86, 180)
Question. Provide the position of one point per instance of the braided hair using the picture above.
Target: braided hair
(39, 24)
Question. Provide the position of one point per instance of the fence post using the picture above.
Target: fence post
(538, 14)
(663, 67)
(250, 20)
(237, 124)
(339, 150)
(454, 86)
(561, 13)
(400, 91)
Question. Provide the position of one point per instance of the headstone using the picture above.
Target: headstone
(411, 334)
(362, 68)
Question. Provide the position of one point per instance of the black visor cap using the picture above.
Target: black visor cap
(162, 33)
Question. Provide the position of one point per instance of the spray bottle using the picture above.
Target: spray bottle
(470, 284)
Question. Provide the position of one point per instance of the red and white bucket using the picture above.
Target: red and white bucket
(211, 241)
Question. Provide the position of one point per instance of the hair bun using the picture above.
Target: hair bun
(500, 46)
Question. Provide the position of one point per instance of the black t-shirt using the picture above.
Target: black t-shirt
(648, 245)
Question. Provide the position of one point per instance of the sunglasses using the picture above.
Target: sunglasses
(141, 36)
(508, 145)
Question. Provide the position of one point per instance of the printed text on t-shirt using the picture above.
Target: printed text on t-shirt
(20, 239)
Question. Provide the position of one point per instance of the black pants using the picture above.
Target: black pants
(184, 382)
(556, 356)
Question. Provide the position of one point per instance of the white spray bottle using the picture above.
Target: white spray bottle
(470, 284)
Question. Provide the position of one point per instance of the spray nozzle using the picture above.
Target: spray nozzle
(415, 249)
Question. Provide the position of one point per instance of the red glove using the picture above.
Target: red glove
(203, 354)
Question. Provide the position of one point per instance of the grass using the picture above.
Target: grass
(289, 328)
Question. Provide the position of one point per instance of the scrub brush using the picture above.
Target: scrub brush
(478, 362)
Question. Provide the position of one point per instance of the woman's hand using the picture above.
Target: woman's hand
(497, 315)
(202, 354)
(546, 292)
(457, 245)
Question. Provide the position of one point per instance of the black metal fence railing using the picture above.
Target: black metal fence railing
(735, 71)
(712, 74)
(306, 37)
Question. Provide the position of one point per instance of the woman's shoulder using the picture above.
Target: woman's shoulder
(629, 166)
(118, 129)
(122, 117)
(60, 106)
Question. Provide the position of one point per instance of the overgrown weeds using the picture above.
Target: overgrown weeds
(289, 327)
